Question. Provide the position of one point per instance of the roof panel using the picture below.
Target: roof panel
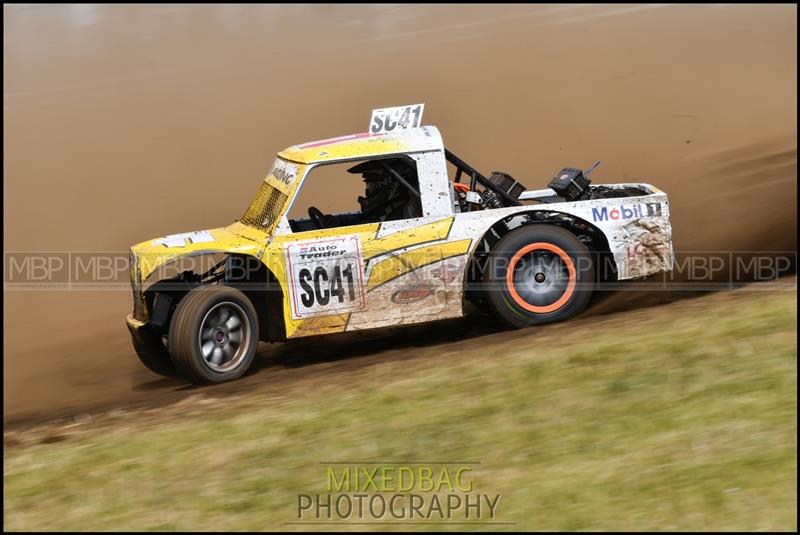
(424, 138)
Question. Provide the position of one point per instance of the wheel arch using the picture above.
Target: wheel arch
(245, 272)
(589, 234)
(264, 290)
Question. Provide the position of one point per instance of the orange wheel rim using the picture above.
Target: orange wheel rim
(561, 301)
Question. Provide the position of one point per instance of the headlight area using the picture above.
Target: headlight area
(155, 299)
(139, 311)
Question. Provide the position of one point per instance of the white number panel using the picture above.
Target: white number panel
(389, 119)
(325, 276)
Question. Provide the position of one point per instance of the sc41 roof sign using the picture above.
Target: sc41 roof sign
(391, 119)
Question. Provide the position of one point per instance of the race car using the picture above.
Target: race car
(432, 234)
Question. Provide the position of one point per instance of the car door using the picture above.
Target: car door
(362, 276)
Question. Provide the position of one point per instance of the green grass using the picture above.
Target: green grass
(685, 421)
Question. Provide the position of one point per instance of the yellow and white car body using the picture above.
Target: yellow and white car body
(387, 273)
(400, 272)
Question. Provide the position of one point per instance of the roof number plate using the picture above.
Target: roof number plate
(386, 120)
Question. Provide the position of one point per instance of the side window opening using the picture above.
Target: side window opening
(388, 190)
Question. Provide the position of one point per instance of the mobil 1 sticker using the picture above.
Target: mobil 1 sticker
(325, 276)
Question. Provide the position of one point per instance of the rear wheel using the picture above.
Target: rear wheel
(539, 274)
(213, 336)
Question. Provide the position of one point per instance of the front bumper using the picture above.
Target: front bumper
(134, 326)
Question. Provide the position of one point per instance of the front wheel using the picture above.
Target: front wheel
(153, 354)
(539, 274)
(213, 336)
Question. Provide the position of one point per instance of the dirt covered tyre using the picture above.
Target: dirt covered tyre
(153, 354)
(213, 336)
(538, 274)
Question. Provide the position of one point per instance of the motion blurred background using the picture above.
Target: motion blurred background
(124, 123)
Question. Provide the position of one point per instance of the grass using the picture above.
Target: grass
(684, 421)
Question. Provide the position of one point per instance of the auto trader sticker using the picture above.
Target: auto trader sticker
(325, 276)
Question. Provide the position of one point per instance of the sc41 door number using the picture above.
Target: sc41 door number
(325, 276)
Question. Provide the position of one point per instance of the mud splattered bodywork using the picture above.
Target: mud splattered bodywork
(648, 247)
(386, 273)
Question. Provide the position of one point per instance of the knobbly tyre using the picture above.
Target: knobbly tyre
(425, 241)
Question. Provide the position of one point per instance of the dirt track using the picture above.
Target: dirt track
(126, 123)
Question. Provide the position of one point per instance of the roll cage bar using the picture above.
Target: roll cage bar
(476, 177)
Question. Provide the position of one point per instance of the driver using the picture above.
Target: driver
(386, 198)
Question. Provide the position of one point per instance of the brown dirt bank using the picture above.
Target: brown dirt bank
(288, 370)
